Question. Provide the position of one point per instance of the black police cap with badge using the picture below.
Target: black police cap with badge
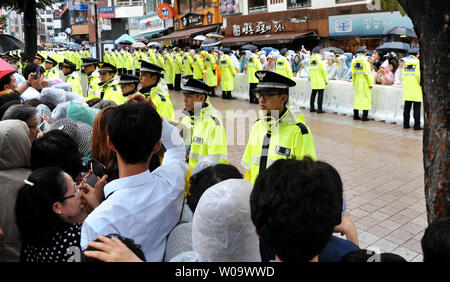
(151, 68)
(195, 86)
(50, 60)
(89, 62)
(273, 82)
(361, 49)
(67, 64)
(128, 79)
(106, 67)
(39, 56)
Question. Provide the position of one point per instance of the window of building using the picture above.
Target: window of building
(345, 1)
(49, 27)
(42, 20)
(49, 20)
(257, 5)
(184, 6)
(298, 3)
(48, 12)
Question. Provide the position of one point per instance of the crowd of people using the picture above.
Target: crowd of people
(110, 172)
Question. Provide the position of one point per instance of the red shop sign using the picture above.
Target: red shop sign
(165, 11)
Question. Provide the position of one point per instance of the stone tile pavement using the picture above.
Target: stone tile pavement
(380, 165)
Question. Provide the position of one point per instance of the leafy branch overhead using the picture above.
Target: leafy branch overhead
(390, 5)
(19, 5)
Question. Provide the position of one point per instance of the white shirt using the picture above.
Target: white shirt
(143, 207)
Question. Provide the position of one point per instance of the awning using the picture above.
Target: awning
(149, 34)
(185, 33)
(272, 38)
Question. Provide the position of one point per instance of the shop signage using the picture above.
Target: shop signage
(106, 12)
(192, 19)
(165, 11)
(79, 7)
(366, 24)
(257, 28)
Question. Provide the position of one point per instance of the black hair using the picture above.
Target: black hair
(336, 180)
(5, 80)
(208, 177)
(7, 100)
(135, 248)
(20, 111)
(33, 102)
(364, 255)
(58, 149)
(93, 101)
(436, 241)
(293, 204)
(31, 68)
(35, 217)
(134, 129)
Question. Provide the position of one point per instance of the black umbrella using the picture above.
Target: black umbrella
(403, 31)
(9, 43)
(336, 50)
(393, 47)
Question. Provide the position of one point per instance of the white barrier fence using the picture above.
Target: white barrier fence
(387, 101)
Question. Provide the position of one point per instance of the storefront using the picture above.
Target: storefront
(194, 17)
(149, 26)
(348, 32)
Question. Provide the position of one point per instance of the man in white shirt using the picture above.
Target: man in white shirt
(140, 205)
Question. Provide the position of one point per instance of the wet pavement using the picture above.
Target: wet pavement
(380, 164)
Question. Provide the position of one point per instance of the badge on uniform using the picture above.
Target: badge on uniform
(261, 75)
(410, 68)
(280, 63)
(314, 63)
(282, 151)
(197, 140)
(223, 62)
(250, 60)
(358, 66)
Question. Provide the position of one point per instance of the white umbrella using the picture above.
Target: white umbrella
(138, 45)
(156, 44)
(200, 37)
(215, 35)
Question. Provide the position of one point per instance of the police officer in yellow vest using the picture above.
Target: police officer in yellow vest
(169, 72)
(279, 133)
(187, 63)
(227, 72)
(412, 91)
(362, 80)
(253, 65)
(72, 77)
(92, 76)
(282, 65)
(129, 85)
(210, 72)
(199, 68)
(177, 66)
(202, 129)
(110, 90)
(128, 60)
(51, 68)
(39, 59)
(150, 77)
(319, 79)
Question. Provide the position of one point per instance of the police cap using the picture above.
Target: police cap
(89, 61)
(149, 67)
(106, 67)
(128, 78)
(283, 51)
(269, 80)
(362, 49)
(50, 60)
(316, 49)
(414, 50)
(39, 56)
(195, 86)
(68, 64)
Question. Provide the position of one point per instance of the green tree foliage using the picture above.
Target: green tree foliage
(19, 5)
(4, 22)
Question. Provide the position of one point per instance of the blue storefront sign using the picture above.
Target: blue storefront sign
(366, 24)
(79, 7)
(106, 9)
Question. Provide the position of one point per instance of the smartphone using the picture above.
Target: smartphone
(36, 76)
(98, 168)
(44, 126)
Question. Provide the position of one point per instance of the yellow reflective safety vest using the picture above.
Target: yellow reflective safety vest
(113, 59)
(119, 60)
(106, 58)
(52, 73)
(160, 97)
(227, 73)
(198, 67)
(93, 88)
(169, 73)
(412, 91)
(204, 135)
(210, 72)
(187, 64)
(177, 64)
(152, 57)
(253, 65)
(110, 90)
(362, 80)
(271, 140)
(75, 80)
(317, 72)
(128, 60)
(283, 67)
(136, 58)
(160, 60)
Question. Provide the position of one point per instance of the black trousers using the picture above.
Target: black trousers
(177, 84)
(319, 99)
(251, 93)
(212, 91)
(170, 86)
(364, 116)
(416, 113)
(226, 95)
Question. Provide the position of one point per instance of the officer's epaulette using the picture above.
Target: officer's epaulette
(303, 128)
(216, 120)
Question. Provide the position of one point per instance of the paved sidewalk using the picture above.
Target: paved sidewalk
(381, 167)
